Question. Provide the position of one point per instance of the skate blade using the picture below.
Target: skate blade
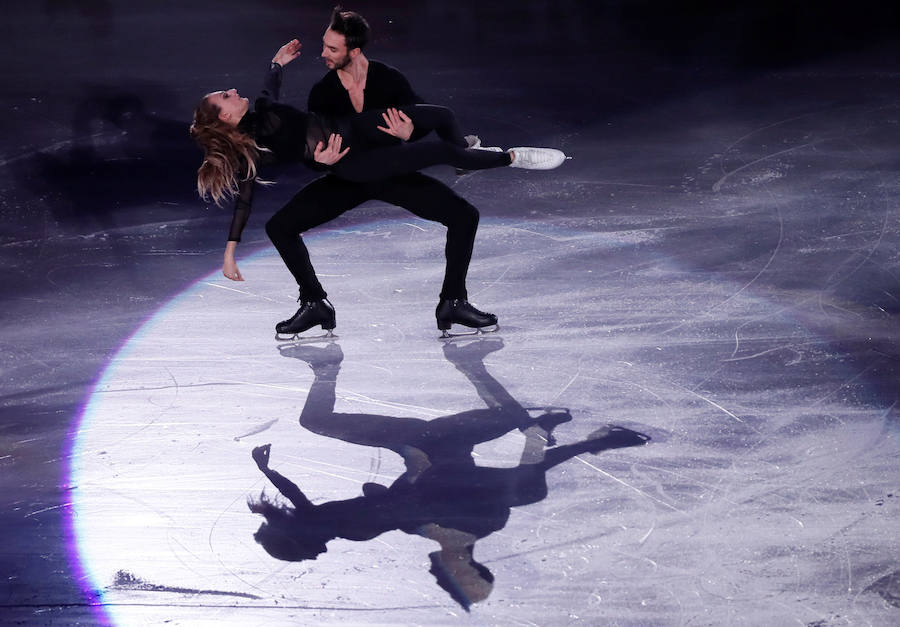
(448, 334)
(296, 338)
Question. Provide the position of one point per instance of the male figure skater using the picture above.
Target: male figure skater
(355, 84)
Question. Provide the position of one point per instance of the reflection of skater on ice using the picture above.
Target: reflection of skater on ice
(442, 495)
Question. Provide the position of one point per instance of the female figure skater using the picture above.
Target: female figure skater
(236, 140)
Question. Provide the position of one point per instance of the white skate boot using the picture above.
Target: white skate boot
(537, 158)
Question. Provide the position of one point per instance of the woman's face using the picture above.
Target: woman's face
(231, 106)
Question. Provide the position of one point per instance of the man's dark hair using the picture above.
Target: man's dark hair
(352, 26)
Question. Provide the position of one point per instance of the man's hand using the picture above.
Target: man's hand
(332, 153)
(398, 124)
(261, 456)
(287, 53)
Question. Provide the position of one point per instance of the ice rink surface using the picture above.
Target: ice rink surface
(688, 416)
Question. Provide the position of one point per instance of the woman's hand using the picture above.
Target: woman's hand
(287, 53)
(398, 124)
(332, 153)
(261, 456)
(229, 267)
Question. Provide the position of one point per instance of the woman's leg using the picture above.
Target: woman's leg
(425, 119)
(381, 163)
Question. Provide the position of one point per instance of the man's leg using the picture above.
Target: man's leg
(319, 202)
(430, 199)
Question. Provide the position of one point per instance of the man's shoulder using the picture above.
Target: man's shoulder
(330, 78)
(380, 67)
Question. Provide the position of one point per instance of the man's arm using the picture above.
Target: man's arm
(394, 90)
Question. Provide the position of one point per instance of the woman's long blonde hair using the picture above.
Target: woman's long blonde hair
(229, 155)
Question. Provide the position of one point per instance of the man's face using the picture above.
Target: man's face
(334, 50)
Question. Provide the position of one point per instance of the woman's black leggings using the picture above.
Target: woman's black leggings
(375, 155)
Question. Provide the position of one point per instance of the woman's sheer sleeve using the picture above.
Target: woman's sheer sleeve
(271, 89)
(242, 206)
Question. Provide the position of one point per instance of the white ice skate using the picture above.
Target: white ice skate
(537, 158)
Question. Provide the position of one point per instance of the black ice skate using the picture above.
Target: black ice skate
(310, 314)
(460, 311)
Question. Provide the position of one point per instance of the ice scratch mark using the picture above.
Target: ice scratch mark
(415, 226)
(718, 184)
(46, 509)
(766, 352)
(747, 284)
(255, 430)
(354, 396)
(49, 148)
(495, 281)
(550, 237)
(566, 386)
(846, 384)
(245, 292)
(716, 405)
(126, 581)
(627, 485)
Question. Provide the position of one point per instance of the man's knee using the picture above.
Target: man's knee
(285, 225)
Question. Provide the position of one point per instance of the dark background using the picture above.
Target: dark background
(99, 223)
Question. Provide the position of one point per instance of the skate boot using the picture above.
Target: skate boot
(611, 436)
(537, 158)
(310, 314)
(461, 311)
(551, 419)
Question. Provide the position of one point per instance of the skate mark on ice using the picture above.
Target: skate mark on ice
(362, 398)
(707, 400)
(245, 292)
(718, 184)
(746, 285)
(126, 581)
(495, 281)
(772, 125)
(263, 427)
(871, 251)
(690, 480)
(786, 347)
(627, 485)
(238, 575)
(846, 384)
(565, 387)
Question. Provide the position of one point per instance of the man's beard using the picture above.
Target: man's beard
(342, 63)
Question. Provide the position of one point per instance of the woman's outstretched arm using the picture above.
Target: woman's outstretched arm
(288, 488)
(287, 53)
